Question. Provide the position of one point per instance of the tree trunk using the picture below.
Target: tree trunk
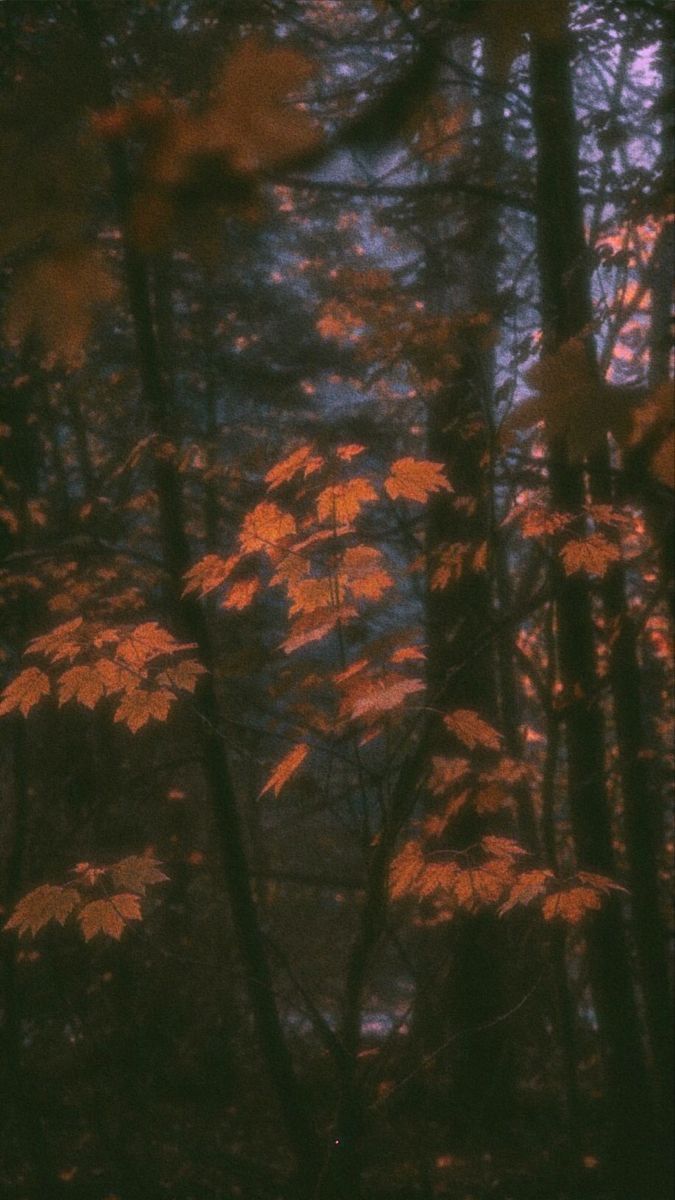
(566, 312)
(189, 618)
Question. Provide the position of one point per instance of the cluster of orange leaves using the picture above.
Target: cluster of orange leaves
(311, 548)
(101, 900)
(141, 667)
(441, 879)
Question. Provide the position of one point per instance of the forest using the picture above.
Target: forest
(336, 599)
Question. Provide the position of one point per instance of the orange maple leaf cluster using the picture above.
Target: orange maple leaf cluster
(102, 900)
(138, 666)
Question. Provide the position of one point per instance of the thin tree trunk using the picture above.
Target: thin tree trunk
(567, 313)
(188, 616)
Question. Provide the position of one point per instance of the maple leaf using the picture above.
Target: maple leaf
(249, 120)
(341, 502)
(538, 521)
(415, 479)
(593, 554)
(527, 887)
(115, 676)
(303, 459)
(446, 772)
(313, 626)
(139, 705)
(54, 298)
(286, 768)
(183, 676)
(209, 573)
(84, 684)
(311, 595)
(405, 870)
(601, 882)
(266, 528)
(436, 877)
(363, 573)
(450, 564)
(484, 884)
(502, 847)
(373, 697)
(408, 654)
(353, 669)
(472, 730)
(135, 873)
(571, 905)
(58, 643)
(47, 903)
(109, 916)
(241, 594)
(492, 798)
(148, 641)
(576, 405)
(24, 692)
(350, 451)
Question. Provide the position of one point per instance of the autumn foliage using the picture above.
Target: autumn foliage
(336, 501)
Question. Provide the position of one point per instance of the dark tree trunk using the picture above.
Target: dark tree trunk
(189, 618)
(567, 313)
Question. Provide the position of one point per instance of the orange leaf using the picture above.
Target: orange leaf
(286, 768)
(450, 562)
(482, 885)
(209, 573)
(405, 870)
(241, 594)
(135, 873)
(39, 907)
(303, 459)
(58, 643)
(527, 886)
(109, 916)
(446, 773)
(382, 695)
(415, 479)
(502, 847)
(362, 572)
(83, 684)
(183, 676)
(592, 554)
(341, 502)
(25, 691)
(347, 453)
(139, 705)
(266, 527)
(471, 729)
(313, 626)
(571, 905)
(148, 641)
(408, 654)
